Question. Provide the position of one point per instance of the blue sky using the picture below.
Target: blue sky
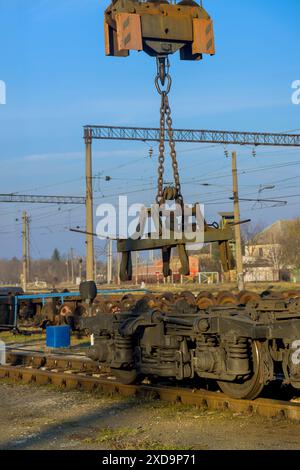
(58, 79)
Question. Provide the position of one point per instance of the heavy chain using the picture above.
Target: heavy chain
(165, 119)
(161, 156)
(172, 150)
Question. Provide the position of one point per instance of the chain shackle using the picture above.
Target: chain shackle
(163, 75)
(158, 85)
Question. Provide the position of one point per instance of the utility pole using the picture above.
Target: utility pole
(72, 265)
(28, 249)
(237, 227)
(95, 269)
(89, 209)
(136, 268)
(68, 272)
(109, 261)
(80, 269)
(118, 269)
(25, 251)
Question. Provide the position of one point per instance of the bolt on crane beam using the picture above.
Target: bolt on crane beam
(145, 134)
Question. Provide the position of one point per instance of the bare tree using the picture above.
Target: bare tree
(249, 232)
(290, 245)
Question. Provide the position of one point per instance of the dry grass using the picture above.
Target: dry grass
(36, 339)
(130, 439)
(215, 288)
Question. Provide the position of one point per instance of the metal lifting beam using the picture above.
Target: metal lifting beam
(145, 134)
(32, 199)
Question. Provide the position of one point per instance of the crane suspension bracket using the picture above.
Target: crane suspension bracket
(158, 28)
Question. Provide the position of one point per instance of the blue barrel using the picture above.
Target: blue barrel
(58, 336)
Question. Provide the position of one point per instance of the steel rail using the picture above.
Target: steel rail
(59, 361)
(84, 374)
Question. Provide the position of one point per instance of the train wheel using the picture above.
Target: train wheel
(205, 300)
(167, 297)
(245, 296)
(150, 300)
(145, 303)
(188, 296)
(126, 377)
(292, 294)
(226, 299)
(252, 388)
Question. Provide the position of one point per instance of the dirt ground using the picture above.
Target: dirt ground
(35, 417)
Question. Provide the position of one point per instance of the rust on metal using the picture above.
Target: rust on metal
(203, 42)
(129, 33)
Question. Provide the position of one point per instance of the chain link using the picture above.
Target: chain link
(172, 149)
(161, 157)
(165, 119)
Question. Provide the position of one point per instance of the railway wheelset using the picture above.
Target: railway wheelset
(241, 343)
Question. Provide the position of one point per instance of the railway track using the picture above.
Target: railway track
(80, 373)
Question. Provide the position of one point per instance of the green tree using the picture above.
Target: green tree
(56, 256)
